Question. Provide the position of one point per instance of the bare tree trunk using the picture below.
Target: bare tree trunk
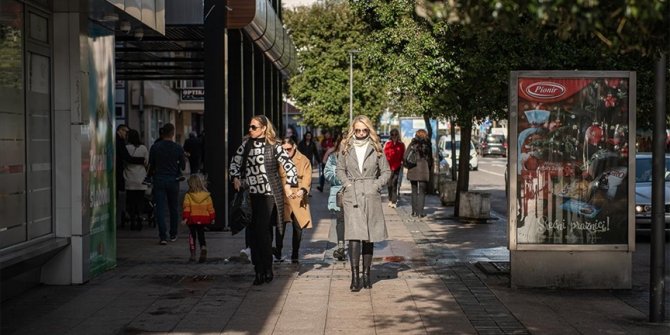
(431, 174)
(463, 163)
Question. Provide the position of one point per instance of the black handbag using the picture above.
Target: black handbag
(339, 197)
(411, 158)
(240, 211)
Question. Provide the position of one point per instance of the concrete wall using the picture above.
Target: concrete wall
(572, 269)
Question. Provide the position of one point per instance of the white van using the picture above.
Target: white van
(444, 145)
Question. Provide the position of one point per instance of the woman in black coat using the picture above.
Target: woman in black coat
(419, 173)
(307, 147)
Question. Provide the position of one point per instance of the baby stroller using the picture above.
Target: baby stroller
(145, 213)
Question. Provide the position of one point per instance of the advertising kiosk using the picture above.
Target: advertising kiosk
(571, 201)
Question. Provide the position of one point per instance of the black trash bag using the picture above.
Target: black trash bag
(240, 211)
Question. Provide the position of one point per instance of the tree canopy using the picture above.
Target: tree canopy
(324, 34)
(562, 35)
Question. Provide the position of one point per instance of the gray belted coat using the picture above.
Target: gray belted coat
(362, 202)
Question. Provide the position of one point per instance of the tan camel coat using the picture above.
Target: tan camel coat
(299, 206)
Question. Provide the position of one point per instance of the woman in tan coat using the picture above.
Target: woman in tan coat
(296, 205)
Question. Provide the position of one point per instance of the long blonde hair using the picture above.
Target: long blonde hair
(374, 138)
(270, 133)
(197, 183)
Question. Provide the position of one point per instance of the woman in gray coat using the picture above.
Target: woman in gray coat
(419, 175)
(363, 170)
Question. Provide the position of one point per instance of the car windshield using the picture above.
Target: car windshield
(643, 169)
(447, 145)
(495, 139)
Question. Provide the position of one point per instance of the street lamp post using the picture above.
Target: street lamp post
(351, 84)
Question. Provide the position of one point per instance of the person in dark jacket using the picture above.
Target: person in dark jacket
(193, 150)
(166, 160)
(307, 147)
(419, 175)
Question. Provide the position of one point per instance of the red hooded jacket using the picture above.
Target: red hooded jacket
(394, 153)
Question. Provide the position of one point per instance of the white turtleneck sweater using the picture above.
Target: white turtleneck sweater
(360, 155)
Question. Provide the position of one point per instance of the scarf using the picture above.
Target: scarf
(359, 143)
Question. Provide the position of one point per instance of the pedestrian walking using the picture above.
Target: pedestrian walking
(394, 150)
(326, 144)
(121, 157)
(193, 151)
(419, 174)
(296, 202)
(307, 147)
(363, 170)
(292, 133)
(336, 233)
(134, 175)
(166, 160)
(255, 166)
(197, 212)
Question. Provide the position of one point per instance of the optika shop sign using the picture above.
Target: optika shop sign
(545, 90)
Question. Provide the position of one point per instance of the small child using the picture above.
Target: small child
(198, 211)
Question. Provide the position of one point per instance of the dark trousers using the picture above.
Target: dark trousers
(194, 164)
(196, 231)
(280, 231)
(263, 218)
(393, 186)
(134, 203)
(322, 177)
(166, 197)
(419, 197)
(120, 207)
(339, 225)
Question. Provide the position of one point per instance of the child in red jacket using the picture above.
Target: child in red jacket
(198, 211)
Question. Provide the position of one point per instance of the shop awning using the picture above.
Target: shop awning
(179, 52)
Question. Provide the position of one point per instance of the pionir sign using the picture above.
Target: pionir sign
(571, 142)
(192, 94)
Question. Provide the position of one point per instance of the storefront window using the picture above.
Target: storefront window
(12, 125)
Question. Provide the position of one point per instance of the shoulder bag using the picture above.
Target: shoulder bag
(239, 211)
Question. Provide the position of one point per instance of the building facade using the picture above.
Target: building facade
(71, 70)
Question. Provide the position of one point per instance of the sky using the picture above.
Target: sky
(290, 4)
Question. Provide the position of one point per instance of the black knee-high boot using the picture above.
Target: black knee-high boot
(368, 247)
(354, 259)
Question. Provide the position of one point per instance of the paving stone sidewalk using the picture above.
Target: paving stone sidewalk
(425, 281)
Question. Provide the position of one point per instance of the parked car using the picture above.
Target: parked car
(383, 138)
(494, 144)
(643, 184)
(444, 147)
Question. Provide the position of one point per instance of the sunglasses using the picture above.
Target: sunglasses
(392, 134)
(363, 130)
(254, 127)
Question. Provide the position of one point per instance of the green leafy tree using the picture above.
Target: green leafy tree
(624, 34)
(405, 54)
(324, 33)
(486, 40)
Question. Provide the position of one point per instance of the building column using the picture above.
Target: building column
(216, 132)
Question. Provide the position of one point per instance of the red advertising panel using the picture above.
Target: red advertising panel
(572, 158)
